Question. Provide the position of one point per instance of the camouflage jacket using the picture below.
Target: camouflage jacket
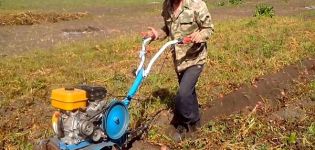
(193, 17)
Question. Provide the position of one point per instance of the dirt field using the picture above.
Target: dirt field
(25, 119)
(18, 39)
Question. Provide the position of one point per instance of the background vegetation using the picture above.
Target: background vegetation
(66, 4)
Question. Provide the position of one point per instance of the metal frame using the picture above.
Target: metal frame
(141, 74)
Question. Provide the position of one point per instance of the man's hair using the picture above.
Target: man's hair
(174, 1)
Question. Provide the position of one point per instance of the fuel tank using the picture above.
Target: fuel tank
(68, 98)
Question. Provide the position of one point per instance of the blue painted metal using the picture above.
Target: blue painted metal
(116, 120)
(84, 145)
(80, 145)
(134, 88)
(100, 146)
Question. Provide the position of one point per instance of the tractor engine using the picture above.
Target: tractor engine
(80, 113)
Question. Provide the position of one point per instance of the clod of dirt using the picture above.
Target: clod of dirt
(31, 18)
(308, 103)
(294, 112)
(142, 145)
(37, 134)
(88, 29)
(164, 118)
(163, 147)
(3, 55)
(288, 113)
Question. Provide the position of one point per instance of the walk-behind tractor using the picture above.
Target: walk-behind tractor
(85, 120)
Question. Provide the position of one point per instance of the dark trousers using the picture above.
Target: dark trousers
(186, 103)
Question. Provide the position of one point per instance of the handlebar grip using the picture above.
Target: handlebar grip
(185, 40)
(147, 35)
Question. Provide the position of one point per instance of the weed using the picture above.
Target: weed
(307, 14)
(312, 86)
(286, 1)
(263, 147)
(236, 2)
(252, 23)
(264, 10)
(222, 3)
(311, 129)
(292, 138)
(229, 3)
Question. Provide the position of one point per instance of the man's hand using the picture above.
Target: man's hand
(196, 37)
(151, 33)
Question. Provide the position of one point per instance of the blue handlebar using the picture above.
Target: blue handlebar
(134, 88)
(141, 72)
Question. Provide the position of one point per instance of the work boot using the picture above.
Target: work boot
(180, 133)
(193, 127)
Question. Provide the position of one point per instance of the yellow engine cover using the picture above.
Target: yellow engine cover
(68, 99)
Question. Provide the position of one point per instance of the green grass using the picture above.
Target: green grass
(310, 14)
(264, 10)
(224, 3)
(239, 51)
(65, 4)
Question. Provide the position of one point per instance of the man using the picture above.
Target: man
(186, 18)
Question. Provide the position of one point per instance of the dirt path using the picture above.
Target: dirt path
(102, 23)
(110, 22)
(270, 88)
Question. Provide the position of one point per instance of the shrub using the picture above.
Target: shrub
(221, 3)
(264, 10)
(235, 2)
